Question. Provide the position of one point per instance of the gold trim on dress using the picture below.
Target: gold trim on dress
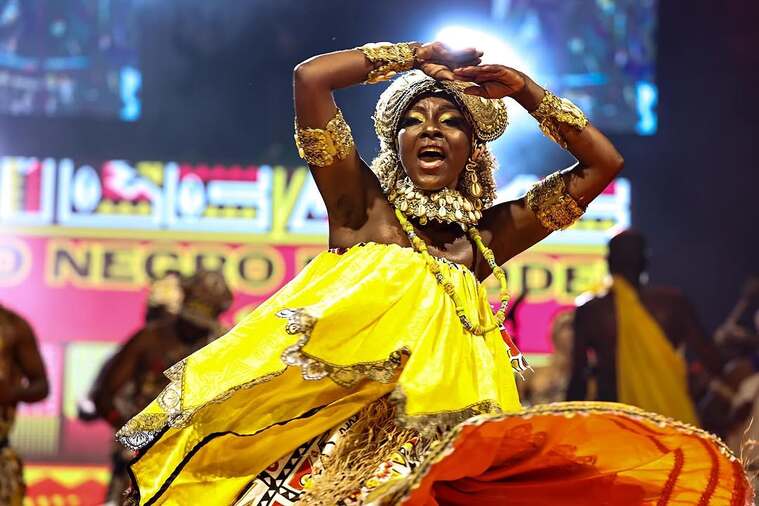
(143, 428)
(314, 369)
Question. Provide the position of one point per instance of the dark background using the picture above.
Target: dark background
(216, 87)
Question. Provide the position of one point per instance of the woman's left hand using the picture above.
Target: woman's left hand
(491, 81)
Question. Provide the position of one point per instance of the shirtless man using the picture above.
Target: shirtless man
(134, 375)
(22, 379)
(595, 324)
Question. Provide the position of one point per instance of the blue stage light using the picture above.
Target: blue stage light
(647, 97)
(130, 84)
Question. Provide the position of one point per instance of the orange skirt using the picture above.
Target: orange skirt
(574, 454)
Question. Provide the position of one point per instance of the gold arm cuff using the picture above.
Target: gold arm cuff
(555, 208)
(320, 148)
(388, 59)
(553, 111)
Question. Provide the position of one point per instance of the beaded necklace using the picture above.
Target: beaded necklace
(420, 246)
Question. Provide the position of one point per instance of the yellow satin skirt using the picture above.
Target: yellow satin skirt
(349, 329)
(373, 323)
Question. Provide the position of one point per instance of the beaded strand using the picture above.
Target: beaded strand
(420, 246)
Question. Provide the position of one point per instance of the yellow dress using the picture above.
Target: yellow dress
(349, 329)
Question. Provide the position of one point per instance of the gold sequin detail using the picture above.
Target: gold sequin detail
(323, 147)
(552, 204)
(388, 59)
(554, 111)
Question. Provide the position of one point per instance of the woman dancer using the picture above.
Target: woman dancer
(379, 374)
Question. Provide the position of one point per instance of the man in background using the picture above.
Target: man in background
(181, 319)
(22, 379)
(640, 336)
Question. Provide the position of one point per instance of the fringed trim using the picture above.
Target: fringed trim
(372, 452)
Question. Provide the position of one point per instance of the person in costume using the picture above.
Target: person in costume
(22, 379)
(637, 332)
(549, 383)
(181, 317)
(379, 374)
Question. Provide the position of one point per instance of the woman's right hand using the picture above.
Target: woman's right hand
(438, 60)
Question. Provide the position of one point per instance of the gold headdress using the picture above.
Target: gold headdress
(206, 296)
(488, 118)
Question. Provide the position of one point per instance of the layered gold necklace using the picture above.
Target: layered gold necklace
(445, 206)
(432, 263)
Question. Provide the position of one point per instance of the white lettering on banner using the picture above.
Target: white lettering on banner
(115, 197)
(214, 205)
(260, 200)
(309, 214)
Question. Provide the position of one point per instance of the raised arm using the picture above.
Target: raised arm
(324, 137)
(553, 204)
(338, 171)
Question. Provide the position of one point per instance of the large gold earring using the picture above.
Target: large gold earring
(473, 183)
(471, 179)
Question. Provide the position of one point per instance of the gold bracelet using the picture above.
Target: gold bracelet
(554, 111)
(322, 147)
(555, 208)
(388, 59)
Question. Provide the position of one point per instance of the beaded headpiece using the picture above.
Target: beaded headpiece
(488, 118)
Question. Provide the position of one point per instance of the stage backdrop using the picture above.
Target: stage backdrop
(82, 239)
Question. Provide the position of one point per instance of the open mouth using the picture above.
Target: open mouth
(431, 157)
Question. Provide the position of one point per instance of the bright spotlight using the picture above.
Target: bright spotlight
(496, 49)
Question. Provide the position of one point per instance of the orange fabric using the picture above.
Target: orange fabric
(578, 454)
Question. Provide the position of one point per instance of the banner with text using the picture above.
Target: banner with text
(82, 239)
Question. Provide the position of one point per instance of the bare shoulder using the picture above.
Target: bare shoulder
(19, 328)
